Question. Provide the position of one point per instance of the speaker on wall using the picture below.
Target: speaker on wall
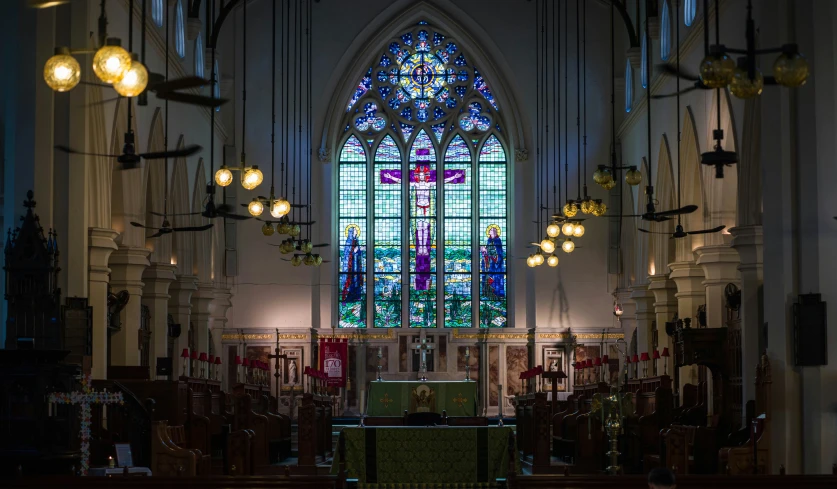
(809, 331)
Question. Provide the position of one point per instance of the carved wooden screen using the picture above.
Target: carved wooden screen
(145, 336)
(736, 390)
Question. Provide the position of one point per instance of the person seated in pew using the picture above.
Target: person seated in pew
(661, 478)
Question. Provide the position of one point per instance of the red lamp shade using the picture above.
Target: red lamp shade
(217, 360)
(598, 362)
(202, 357)
(246, 362)
(665, 352)
(605, 360)
(185, 353)
(237, 360)
(589, 363)
(644, 356)
(627, 359)
(635, 359)
(194, 355)
(655, 354)
(211, 358)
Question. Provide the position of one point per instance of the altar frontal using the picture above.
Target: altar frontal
(458, 398)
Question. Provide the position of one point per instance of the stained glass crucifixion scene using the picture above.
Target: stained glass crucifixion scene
(423, 135)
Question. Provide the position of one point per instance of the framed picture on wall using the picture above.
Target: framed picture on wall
(553, 361)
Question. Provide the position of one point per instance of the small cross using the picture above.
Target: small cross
(459, 400)
(386, 400)
(422, 348)
(85, 398)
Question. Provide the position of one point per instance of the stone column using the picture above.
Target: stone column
(690, 294)
(127, 265)
(643, 300)
(748, 241)
(180, 307)
(665, 305)
(202, 306)
(101, 245)
(222, 304)
(720, 267)
(155, 295)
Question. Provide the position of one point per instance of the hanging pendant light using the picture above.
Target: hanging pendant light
(568, 246)
(717, 69)
(530, 261)
(280, 208)
(568, 228)
(552, 261)
(791, 68)
(111, 61)
(553, 230)
(252, 177)
(570, 209)
(62, 72)
(134, 80)
(600, 210)
(742, 86)
(223, 177)
(255, 207)
(578, 231)
(633, 177)
(296, 260)
(547, 245)
(538, 258)
(267, 229)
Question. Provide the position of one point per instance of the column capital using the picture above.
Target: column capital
(100, 246)
(223, 302)
(181, 293)
(748, 241)
(643, 298)
(202, 300)
(157, 277)
(127, 265)
(688, 277)
(719, 263)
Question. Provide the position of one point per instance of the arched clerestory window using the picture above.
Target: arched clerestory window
(422, 191)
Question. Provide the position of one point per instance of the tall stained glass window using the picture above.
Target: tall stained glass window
(422, 134)
(665, 32)
(353, 229)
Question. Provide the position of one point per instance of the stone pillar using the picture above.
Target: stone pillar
(690, 294)
(720, 267)
(222, 304)
(155, 295)
(748, 241)
(127, 265)
(101, 245)
(202, 306)
(643, 300)
(665, 305)
(180, 307)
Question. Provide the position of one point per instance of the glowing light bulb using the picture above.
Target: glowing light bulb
(568, 228)
(552, 261)
(267, 229)
(570, 209)
(280, 208)
(223, 177)
(252, 178)
(578, 231)
(600, 209)
(538, 259)
(587, 206)
(134, 81)
(111, 61)
(531, 261)
(62, 72)
(568, 246)
(633, 177)
(553, 230)
(256, 208)
(548, 246)
(743, 87)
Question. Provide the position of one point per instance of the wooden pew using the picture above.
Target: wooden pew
(314, 429)
(279, 429)
(753, 457)
(157, 482)
(168, 459)
(654, 404)
(244, 418)
(683, 482)
(690, 400)
(689, 449)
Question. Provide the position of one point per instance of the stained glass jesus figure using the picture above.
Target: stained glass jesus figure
(423, 181)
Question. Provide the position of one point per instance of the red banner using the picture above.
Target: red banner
(334, 357)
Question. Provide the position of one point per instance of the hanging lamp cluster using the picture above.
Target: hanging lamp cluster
(112, 64)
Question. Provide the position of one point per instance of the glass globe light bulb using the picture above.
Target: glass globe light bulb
(318, 260)
(280, 208)
(633, 176)
(296, 260)
(308, 259)
(306, 246)
(568, 246)
(743, 87)
(791, 70)
(62, 72)
(553, 230)
(600, 209)
(548, 246)
(568, 228)
(252, 178)
(538, 259)
(294, 230)
(570, 209)
(267, 229)
(602, 175)
(256, 208)
(552, 261)
(578, 231)
(111, 61)
(587, 205)
(223, 177)
(716, 70)
(134, 80)
(531, 261)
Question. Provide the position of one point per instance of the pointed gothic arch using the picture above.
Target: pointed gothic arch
(179, 202)
(367, 47)
(202, 241)
(100, 173)
(691, 190)
(721, 194)
(127, 193)
(154, 184)
(661, 249)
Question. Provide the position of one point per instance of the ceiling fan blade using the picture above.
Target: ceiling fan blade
(308, 223)
(162, 214)
(176, 153)
(102, 102)
(138, 225)
(187, 98)
(177, 84)
(300, 206)
(682, 92)
(95, 84)
(320, 245)
(707, 231)
(45, 3)
(686, 209)
(769, 80)
(236, 217)
(671, 70)
(193, 228)
(68, 150)
(156, 235)
(648, 232)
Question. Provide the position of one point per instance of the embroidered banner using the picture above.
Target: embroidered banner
(334, 357)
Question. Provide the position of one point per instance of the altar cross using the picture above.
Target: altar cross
(422, 347)
(85, 398)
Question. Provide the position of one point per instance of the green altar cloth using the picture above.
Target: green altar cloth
(458, 398)
(393, 457)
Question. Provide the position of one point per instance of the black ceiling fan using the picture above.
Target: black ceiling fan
(130, 159)
(679, 232)
(166, 228)
(168, 90)
(210, 210)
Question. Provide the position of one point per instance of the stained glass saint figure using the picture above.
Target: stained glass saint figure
(493, 265)
(352, 257)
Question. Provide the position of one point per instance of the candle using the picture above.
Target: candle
(467, 351)
(379, 352)
(110, 462)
